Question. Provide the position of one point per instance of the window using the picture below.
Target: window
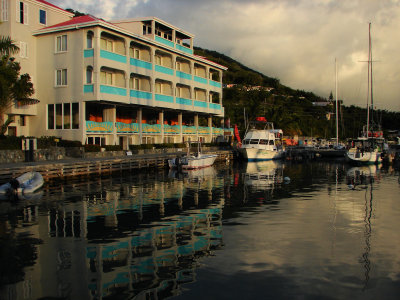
(22, 12)
(89, 40)
(42, 16)
(158, 88)
(89, 75)
(61, 43)
(61, 79)
(59, 116)
(157, 60)
(22, 120)
(106, 44)
(4, 10)
(135, 53)
(146, 29)
(134, 83)
(67, 115)
(75, 115)
(50, 116)
(23, 50)
(106, 77)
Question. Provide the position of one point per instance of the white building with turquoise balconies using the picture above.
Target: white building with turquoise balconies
(123, 82)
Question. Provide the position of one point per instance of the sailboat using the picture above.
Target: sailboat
(369, 147)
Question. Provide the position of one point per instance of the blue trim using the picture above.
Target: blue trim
(164, 70)
(88, 53)
(200, 80)
(140, 63)
(141, 94)
(88, 88)
(113, 56)
(164, 98)
(215, 106)
(200, 104)
(183, 101)
(164, 41)
(184, 49)
(112, 90)
(215, 83)
(183, 75)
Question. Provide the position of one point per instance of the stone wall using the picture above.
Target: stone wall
(58, 153)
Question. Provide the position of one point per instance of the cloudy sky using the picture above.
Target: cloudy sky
(295, 41)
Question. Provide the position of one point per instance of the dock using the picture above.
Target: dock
(67, 168)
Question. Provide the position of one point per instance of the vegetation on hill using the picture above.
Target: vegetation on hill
(252, 94)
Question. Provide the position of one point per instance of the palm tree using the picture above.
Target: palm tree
(13, 86)
(7, 46)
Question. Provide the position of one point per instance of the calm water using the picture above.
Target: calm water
(233, 231)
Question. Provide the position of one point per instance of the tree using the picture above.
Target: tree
(14, 88)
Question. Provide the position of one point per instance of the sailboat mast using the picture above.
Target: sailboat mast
(337, 118)
(369, 72)
(371, 84)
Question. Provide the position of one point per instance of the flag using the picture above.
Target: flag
(261, 119)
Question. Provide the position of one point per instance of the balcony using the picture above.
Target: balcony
(134, 128)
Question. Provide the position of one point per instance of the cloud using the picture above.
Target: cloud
(294, 41)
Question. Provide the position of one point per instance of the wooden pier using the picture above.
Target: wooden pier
(81, 167)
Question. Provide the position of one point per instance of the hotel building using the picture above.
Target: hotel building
(125, 82)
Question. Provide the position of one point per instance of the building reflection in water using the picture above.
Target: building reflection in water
(113, 236)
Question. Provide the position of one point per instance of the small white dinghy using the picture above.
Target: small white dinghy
(27, 183)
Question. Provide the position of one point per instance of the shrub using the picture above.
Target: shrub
(10, 142)
(92, 148)
(113, 147)
(67, 143)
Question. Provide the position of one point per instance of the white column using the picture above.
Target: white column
(210, 126)
(161, 120)
(139, 119)
(180, 126)
(196, 124)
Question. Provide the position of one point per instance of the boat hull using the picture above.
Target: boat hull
(253, 154)
(364, 157)
(192, 162)
(25, 184)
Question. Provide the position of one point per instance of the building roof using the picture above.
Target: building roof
(74, 21)
(52, 5)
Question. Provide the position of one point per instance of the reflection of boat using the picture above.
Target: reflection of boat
(361, 175)
(263, 174)
(262, 142)
(194, 174)
(25, 184)
(193, 161)
(368, 149)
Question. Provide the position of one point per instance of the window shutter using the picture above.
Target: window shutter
(26, 14)
(17, 10)
(4, 10)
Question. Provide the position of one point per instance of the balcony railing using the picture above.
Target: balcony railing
(127, 128)
(108, 127)
(149, 66)
(104, 127)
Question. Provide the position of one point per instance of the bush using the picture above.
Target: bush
(10, 142)
(67, 143)
(92, 148)
(113, 147)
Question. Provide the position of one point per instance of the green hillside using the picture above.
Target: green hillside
(254, 94)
